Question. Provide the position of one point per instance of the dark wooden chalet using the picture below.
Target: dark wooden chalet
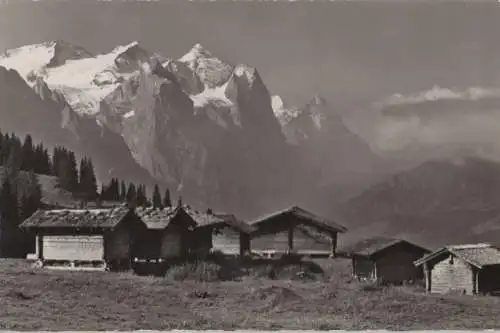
(467, 269)
(168, 233)
(386, 259)
(89, 238)
(295, 230)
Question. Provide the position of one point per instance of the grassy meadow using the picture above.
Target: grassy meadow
(194, 297)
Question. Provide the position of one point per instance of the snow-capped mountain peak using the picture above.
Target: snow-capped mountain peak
(83, 79)
(246, 71)
(64, 51)
(210, 70)
(123, 48)
(196, 52)
(30, 59)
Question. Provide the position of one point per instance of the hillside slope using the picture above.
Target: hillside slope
(437, 203)
(52, 193)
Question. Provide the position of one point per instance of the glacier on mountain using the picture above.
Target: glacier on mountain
(83, 82)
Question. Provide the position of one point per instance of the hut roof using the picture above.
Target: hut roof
(160, 218)
(304, 217)
(374, 245)
(203, 218)
(107, 218)
(478, 255)
(215, 220)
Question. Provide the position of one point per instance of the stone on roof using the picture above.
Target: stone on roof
(156, 218)
(106, 218)
(478, 255)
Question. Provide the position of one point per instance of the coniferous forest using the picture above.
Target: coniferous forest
(22, 160)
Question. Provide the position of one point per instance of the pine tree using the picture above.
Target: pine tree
(145, 200)
(156, 198)
(1, 145)
(141, 196)
(88, 184)
(65, 175)
(27, 154)
(9, 221)
(41, 160)
(123, 191)
(166, 199)
(31, 197)
(13, 163)
(132, 195)
(105, 192)
(73, 172)
(114, 190)
(6, 143)
(56, 154)
(47, 165)
(66, 170)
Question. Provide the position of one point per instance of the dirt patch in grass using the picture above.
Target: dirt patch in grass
(274, 297)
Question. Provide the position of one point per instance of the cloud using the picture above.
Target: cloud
(437, 93)
(440, 122)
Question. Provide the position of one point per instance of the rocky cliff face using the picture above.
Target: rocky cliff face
(202, 125)
(22, 110)
(321, 137)
(45, 114)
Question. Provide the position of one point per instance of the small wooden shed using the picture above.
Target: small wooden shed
(217, 231)
(467, 269)
(167, 235)
(226, 232)
(295, 230)
(88, 238)
(386, 259)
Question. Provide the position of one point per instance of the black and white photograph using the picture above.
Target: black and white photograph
(249, 165)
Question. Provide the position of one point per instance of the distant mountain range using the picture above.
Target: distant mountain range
(213, 133)
(207, 128)
(437, 203)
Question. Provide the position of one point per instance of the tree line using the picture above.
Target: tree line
(77, 178)
(134, 195)
(21, 194)
(27, 156)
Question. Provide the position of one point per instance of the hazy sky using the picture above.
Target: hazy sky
(350, 52)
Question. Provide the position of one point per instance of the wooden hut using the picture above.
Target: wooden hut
(227, 233)
(467, 269)
(295, 230)
(386, 259)
(86, 238)
(217, 231)
(167, 235)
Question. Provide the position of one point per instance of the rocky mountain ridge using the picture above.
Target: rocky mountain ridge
(203, 126)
